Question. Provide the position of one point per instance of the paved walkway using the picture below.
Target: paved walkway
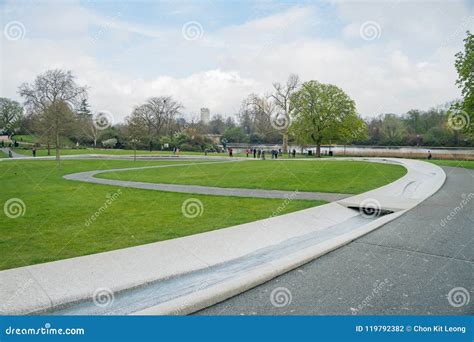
(14, 154)
(88, 177)
(407, 267)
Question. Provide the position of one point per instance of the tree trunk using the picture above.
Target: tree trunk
(318, 150)
(49, 149)
(58, 152)
(285, 142)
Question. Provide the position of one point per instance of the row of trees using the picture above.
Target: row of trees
(308, 113)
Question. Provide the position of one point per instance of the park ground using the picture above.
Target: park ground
(54, 225)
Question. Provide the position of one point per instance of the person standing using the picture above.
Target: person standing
(294, 153)
(34, 151)
(429, 155)
(254, 152)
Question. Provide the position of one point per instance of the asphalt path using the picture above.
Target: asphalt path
(420, 264)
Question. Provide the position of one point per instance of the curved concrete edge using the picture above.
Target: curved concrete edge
(46, 286)
(207, 297)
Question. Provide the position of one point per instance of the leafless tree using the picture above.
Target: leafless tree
(156, 115)
(257, 110)
(281, 96)
(51, 98)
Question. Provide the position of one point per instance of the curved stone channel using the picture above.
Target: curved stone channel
(88, 176)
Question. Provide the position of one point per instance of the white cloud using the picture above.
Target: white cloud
(409, 66)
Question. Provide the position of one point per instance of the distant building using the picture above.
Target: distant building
(205, 115)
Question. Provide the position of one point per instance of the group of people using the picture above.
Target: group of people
(260, 153)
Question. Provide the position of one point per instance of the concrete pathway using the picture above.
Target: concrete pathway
(14, 154)
(88, 177)
(411, 266)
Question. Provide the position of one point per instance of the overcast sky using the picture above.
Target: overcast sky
(388, 56)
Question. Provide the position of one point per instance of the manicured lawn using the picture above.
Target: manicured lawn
(3, 154)
(320, 175)
(468, 164)
(54, 225)
(71, 151)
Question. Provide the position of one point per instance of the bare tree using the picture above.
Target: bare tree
(52, 98)
(258, 111)
(156, 115)
(281, 96)
(11, 114)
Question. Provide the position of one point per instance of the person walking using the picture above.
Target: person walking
(10, 154)
(294, 153)
(254, 152)
(34, 151)
(429, 155)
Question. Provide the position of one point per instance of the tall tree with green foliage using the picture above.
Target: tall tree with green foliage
(463, 116)
(324, 112)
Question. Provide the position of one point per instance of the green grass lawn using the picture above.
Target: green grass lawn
(467, 164)
(321, 175)
(71, 151)
(54, 224)
(3, 154)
